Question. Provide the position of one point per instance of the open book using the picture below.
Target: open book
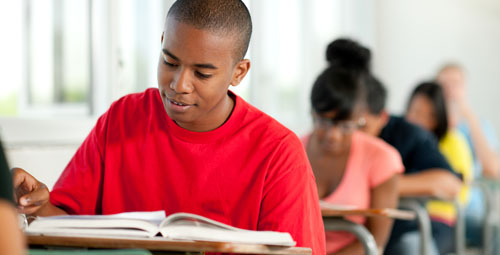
(177, 226)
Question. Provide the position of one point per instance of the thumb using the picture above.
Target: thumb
(37, 197)
(25, 200)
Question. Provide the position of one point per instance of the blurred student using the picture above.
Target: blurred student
(351, 168)
(427, 173)
(427, 109)
(11, 238)
(479, 133)
(192, 145)
(481, 138)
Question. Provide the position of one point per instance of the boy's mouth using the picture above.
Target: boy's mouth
(178, 103)
(178, 106)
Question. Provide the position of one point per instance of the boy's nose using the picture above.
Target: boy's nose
(181, 83)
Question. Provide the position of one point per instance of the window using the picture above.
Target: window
(74, 57)
(57, 50)
(288, 51)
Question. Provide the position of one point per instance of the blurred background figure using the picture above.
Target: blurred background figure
(11, 238)
(481, 139)
(479, 132)
(351, 168)
(427, 173)
(427, 109)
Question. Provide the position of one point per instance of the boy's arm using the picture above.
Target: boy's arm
(79, 188)
(290, 200)
(438, 183)
(488, 157)
(32, 196)
(427, 171)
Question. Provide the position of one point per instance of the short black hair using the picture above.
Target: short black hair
(225, 17)
(435, 94)
(376, 95)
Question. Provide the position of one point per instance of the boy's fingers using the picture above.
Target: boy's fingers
(22, 181)
(35, 198)
(18, 176)
(28, 210)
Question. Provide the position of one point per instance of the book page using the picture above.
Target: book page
(128, 224)
(186, 226)
(189, 219)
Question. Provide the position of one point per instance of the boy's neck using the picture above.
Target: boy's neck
(227, 109)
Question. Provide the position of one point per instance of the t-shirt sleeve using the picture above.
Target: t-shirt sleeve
(290, 200)
(425, 154)
(455, 148)
(78, 189)
(387, 162)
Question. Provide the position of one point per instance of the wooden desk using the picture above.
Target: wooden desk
(333, 218)
(372, 212)
(160, 244)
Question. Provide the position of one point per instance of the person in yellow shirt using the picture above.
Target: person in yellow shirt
(427, 109)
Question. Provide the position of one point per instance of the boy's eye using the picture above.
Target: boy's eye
(169, 64)
(202, 75)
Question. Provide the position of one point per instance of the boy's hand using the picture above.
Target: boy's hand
(29, 194)
(444, 185)
(436, 182)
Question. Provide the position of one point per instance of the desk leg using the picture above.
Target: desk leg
(424, 222)
(363, 235)
(459, 229)
(489, 202)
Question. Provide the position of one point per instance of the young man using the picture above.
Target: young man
(427, 173)
(191, 145)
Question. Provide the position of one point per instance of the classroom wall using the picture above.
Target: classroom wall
(414, 38)
(43, 147)
(409, 40)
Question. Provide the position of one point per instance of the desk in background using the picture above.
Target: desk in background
(333, 218)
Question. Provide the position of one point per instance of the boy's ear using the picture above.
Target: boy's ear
(384, 117)
(240, 70)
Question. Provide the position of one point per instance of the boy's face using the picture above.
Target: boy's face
(195, 70)
(374, 123)
(452, 81)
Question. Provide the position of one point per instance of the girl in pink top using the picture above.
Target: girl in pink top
(351, 168)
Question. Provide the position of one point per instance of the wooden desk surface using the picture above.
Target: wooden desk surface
(158, 244)
(382, 212)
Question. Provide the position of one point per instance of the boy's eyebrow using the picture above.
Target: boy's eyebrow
(207, 66)
(166, 52)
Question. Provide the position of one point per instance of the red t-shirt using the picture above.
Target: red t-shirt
(250, 173)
